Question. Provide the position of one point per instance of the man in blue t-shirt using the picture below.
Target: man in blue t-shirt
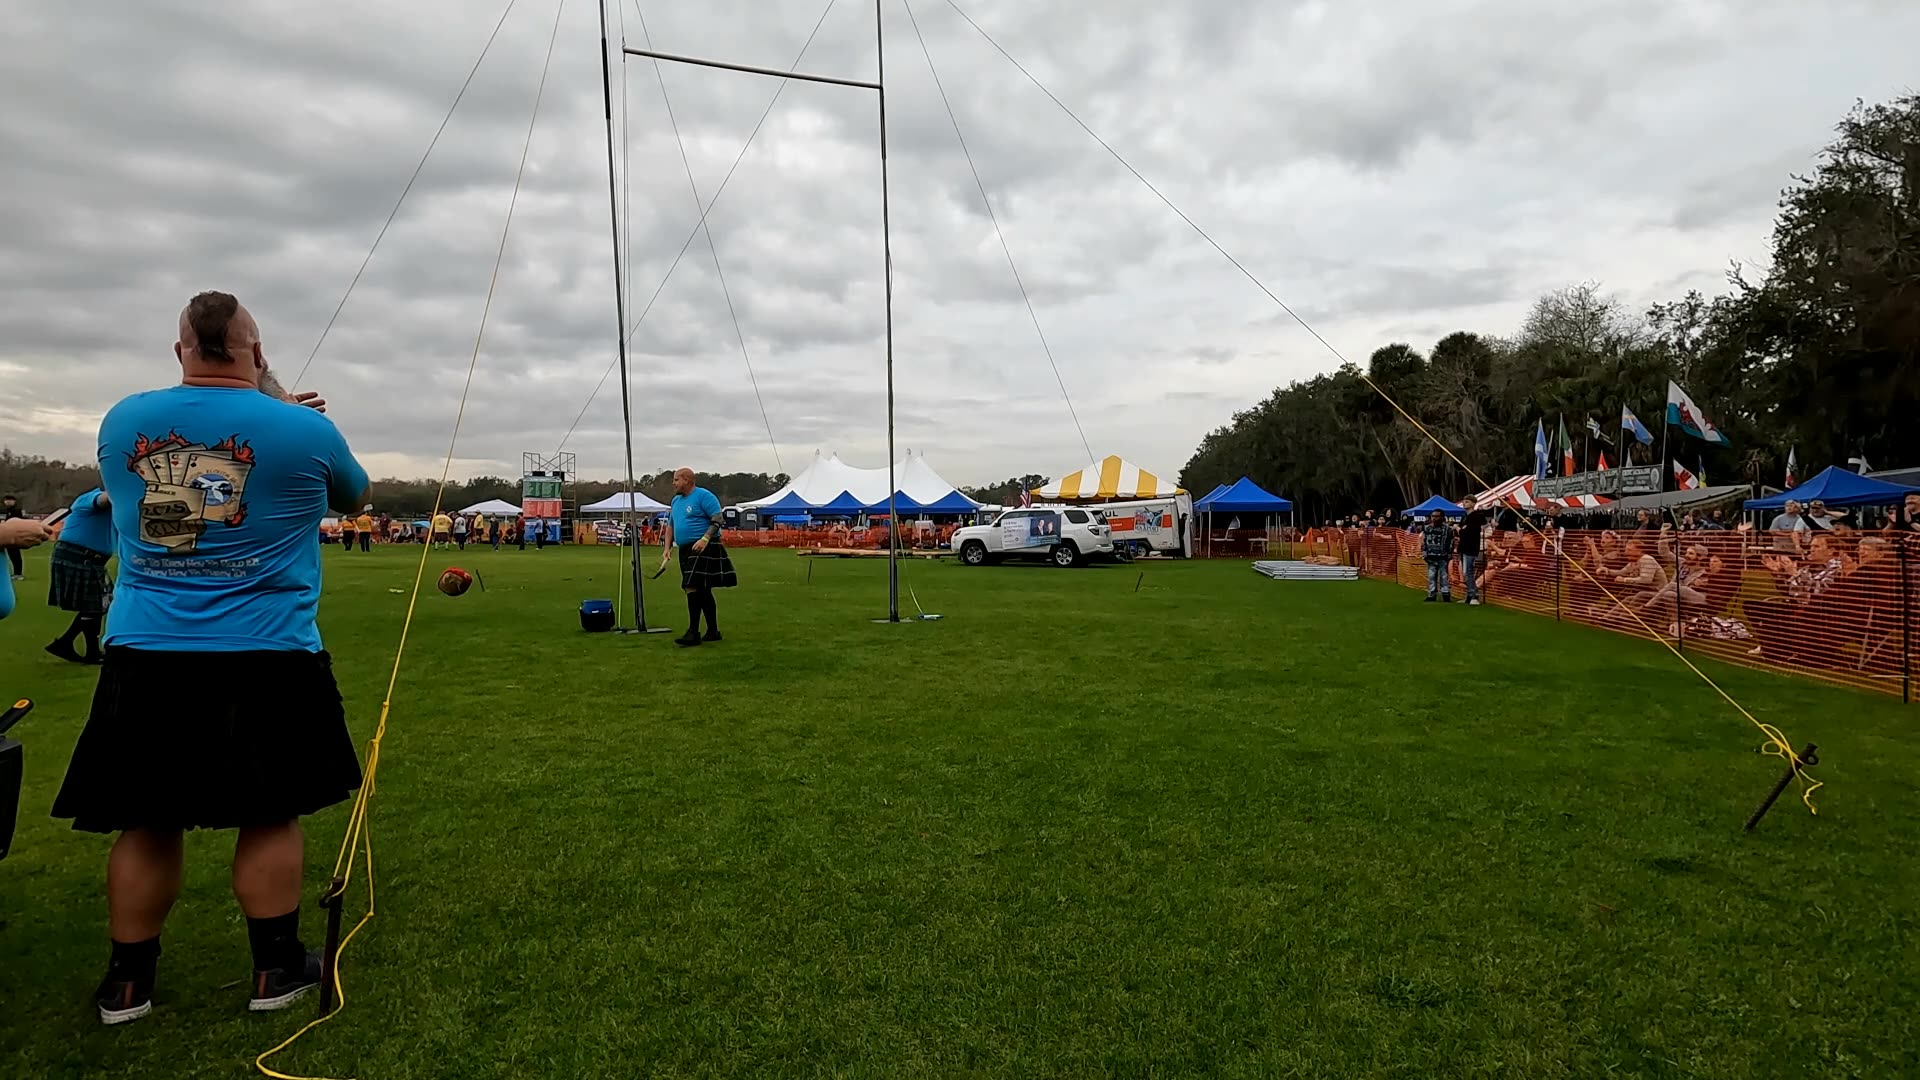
(17, 533)
(217, 707)
(694, 527)
(77, 577)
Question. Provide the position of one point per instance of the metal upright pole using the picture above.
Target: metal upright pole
(620, 327)
(886, 242)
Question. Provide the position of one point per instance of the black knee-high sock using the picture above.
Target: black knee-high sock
(712, 609)
(693, 613)
(90, 627)
(276, 942)
(73, 630)
(134, 960)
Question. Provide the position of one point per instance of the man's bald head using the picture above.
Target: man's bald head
(682, 481)
(218, 338)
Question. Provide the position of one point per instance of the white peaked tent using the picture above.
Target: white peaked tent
(825, 478)
(492, 506)
(616, 503)
(1111, 477)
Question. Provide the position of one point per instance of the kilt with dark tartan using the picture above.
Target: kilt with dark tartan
(79, 581)
(709, 569)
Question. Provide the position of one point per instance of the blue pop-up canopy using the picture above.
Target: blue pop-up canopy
(1437, 503)
(843, 504)
(1836, 486)
(786, 504)
(1243, 496)
(951, 503)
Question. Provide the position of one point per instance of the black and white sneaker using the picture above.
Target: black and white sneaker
(278, 988)
(123, 1000)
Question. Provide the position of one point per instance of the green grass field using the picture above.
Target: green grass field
(1217, 826)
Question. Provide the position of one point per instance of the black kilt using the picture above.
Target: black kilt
(209, 740)
(79, 581)
(709, 569)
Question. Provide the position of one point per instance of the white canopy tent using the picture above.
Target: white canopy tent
(492, 506)
(617, 503)
(825, 478)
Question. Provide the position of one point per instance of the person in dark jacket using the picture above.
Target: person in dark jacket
(1471, 528)
(1436, 546)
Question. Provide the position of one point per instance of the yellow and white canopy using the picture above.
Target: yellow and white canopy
(1111, 477)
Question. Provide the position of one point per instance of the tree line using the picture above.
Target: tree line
(1820, 353)
(43, 484)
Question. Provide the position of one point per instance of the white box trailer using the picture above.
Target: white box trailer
(1164, 526)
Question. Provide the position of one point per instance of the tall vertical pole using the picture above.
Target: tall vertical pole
(886, 241)
(620, 327)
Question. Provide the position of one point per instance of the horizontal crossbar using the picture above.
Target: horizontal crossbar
(800, 75)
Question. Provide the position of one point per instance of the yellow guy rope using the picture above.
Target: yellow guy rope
(1777, 743)
(359, 837)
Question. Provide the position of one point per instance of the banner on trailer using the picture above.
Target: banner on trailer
(1637, 480)
(1029, 530)
(1155, 526)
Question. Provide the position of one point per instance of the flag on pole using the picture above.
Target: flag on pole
(1603, 461)
(1540, 450)
(1632, 423)
(1793, 467)
(1593, 429)
(1682, 411)
(1700, 474)
(1566, 450)
(1685, 480)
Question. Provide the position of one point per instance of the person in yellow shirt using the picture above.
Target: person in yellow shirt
(442, 531)
(346, 531)
(364, 526)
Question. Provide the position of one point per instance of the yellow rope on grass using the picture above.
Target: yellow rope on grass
(1776, 743)
(359, 836)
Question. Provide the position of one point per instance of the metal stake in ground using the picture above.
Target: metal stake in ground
(1807, 759)
(330, 958)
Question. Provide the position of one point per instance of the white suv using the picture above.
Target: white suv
(1064, 534)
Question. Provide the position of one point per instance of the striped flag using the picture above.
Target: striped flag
(1793, 467)
(1686, 480)
(1567, 467)
(1603, 461)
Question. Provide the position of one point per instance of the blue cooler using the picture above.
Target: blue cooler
(596, 615)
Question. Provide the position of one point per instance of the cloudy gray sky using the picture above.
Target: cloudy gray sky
(1395, 170)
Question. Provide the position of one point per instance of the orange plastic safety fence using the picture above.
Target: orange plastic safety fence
(1839, 607)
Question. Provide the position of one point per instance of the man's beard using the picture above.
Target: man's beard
(270, 385)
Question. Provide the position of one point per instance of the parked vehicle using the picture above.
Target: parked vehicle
(1063, 535)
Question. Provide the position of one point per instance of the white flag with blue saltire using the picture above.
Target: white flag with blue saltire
(1682, 411)
(1540, 450)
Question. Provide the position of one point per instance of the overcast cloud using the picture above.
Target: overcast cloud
(1394, 170)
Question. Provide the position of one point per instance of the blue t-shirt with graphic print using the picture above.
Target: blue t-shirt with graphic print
(692, 515)
(217, 499)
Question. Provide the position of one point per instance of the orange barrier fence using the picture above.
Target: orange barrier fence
(1839, 607)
